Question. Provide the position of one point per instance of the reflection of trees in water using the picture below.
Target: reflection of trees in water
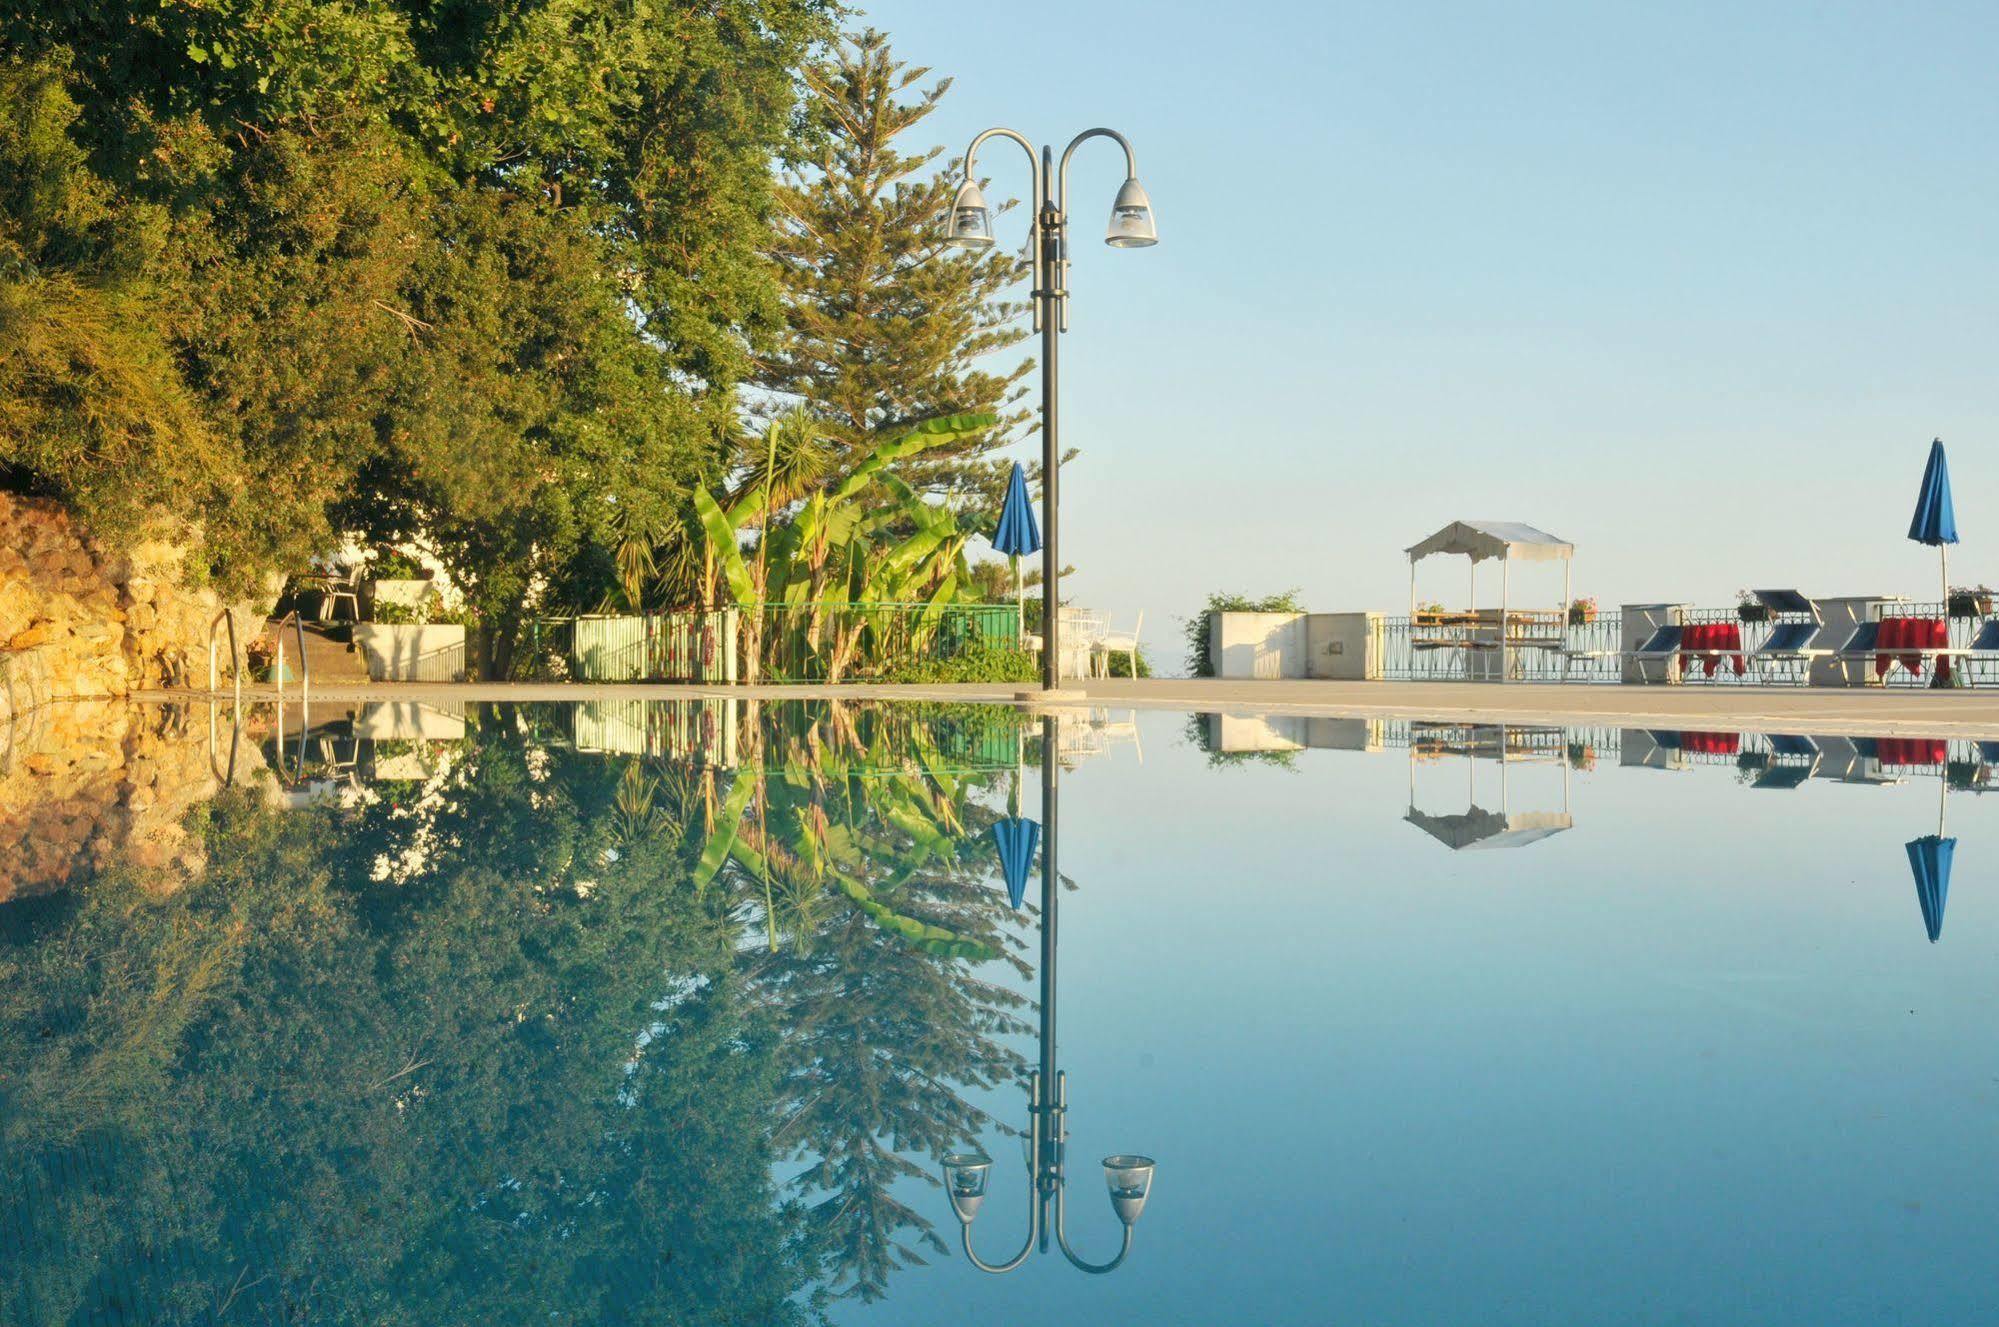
(876, 867)
(544, 1077)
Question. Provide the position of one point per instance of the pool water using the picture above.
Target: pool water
(669, 1013)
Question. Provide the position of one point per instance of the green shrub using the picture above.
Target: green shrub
(1121, 662)
(977, 663)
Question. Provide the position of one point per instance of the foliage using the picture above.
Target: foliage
(978, 662)
(488, 274)
(885, 325)
(832, 536)
(487, 1052)
(1198, 627)
(1196, 734)
(1128, 663)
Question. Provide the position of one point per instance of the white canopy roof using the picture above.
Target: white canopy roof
(1482, 829)
(1479, 540)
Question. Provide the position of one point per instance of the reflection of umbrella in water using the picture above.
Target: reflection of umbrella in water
(1016, 838)
(1478, 828)
(1929, 860)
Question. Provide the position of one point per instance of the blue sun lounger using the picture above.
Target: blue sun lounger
(1984, 648)
(1790, 644)
(1793, 759)
(1662, 646)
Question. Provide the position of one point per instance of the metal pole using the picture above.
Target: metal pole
(1048, 235)
(1049, 1163)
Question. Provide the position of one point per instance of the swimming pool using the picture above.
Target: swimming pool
(671, 1012)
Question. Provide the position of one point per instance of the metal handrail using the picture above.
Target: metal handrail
(227, 615)
(304, 664)
(304, 697)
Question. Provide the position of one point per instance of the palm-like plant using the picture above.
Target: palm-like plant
(828, 542)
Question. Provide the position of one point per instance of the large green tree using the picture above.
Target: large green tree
(885, 325)
(485, 274)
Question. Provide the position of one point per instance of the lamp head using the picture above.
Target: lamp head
(1129, 1178)
(1132, 226)
(971, 220)
(965, 1180)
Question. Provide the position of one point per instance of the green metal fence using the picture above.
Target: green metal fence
(846, 641)
(655, 647)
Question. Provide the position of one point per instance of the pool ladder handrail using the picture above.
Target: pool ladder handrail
(304, 696)
(237, 662)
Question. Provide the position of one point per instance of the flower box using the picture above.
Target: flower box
(412, 594)
(1753, 612)
(411, 654)
(1970, 603)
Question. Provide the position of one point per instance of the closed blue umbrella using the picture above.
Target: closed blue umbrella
(1018, 535)
(1935, 521)
(1016, 840)
(1929, 859)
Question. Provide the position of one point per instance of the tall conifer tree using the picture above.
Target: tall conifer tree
(885, 324)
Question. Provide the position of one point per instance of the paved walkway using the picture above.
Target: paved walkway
(1859, 712)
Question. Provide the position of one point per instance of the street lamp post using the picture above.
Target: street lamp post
(1131, 227)
(1127, 1175)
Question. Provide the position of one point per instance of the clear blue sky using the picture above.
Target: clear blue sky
(1692, 286)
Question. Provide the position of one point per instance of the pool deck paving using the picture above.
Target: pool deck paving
(1858, 712)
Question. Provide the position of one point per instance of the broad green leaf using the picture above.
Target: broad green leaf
(930, 433)
(722, 541)
(731, 817)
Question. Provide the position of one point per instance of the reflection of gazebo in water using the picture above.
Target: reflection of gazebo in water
(1486, 641)
(1482, 827)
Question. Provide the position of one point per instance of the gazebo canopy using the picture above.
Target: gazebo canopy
(1506, 540)
(1479, 828)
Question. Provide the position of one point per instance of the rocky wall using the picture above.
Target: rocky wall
(79, 621)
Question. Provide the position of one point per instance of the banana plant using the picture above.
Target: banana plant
(864, 536)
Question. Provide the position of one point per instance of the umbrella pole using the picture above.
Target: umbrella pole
(1943, 792)
(1943, 561)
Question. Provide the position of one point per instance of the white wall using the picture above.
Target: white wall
(1344, 647)
(1261, 645)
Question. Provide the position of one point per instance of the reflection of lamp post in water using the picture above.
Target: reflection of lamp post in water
(1129, 1177)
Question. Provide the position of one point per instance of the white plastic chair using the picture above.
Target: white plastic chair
(1112, 641)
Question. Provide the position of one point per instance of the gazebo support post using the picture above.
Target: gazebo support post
(1505, 673)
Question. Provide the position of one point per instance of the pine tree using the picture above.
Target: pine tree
(885, 324)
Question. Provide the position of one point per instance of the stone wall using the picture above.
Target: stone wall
(80, 622)
(93, 784)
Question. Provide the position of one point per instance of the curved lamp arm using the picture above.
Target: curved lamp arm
(1095, 1269)
(1034, 211)
(1062, 176)
(1060, 185)
(1033, 1233)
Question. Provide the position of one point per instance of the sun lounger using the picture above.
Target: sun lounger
(1793, 759)
(1662, 646)
(1984, 648)
(1786, 602)
(1790, 643)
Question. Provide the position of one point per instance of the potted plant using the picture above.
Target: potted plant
(1582, 611)
(421, 644)
(261, 654)
(1748, 609)
(1970, 601)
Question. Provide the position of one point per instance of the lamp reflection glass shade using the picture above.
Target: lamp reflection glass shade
(1129, 1178)
(965, 1180)
(1132, 226)
(971, 220)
